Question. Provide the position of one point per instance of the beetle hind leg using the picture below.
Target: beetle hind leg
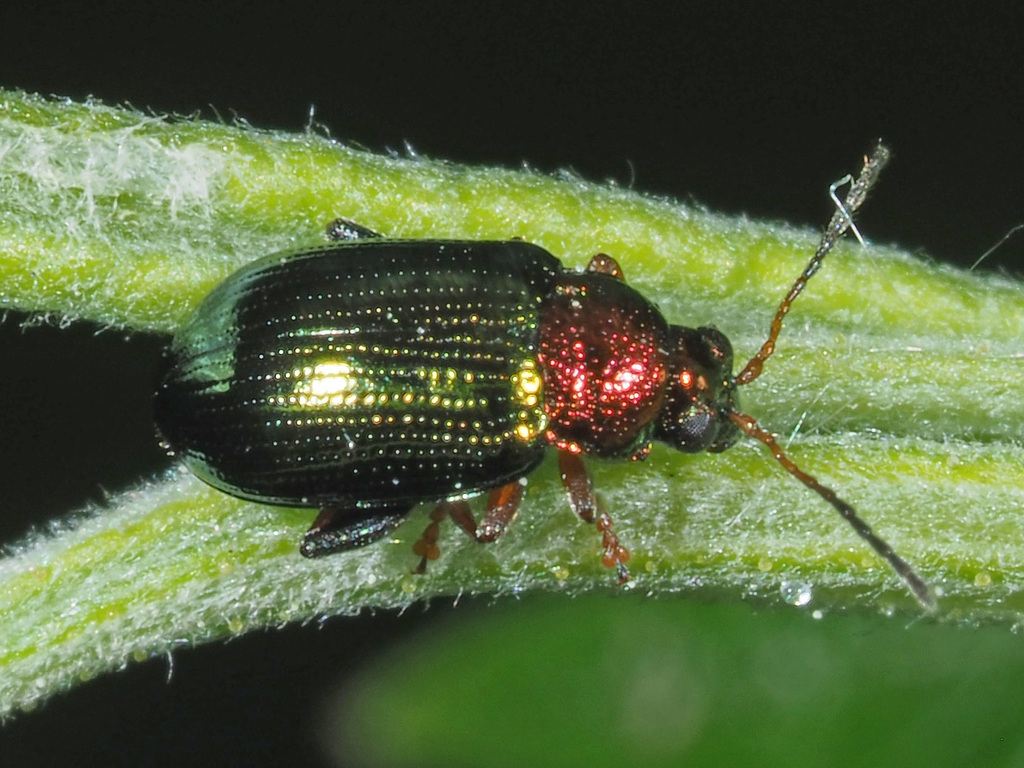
(334, 531)
(583, 501)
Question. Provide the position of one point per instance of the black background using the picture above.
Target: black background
(739, 108)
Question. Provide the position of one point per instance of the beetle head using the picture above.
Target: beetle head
(700, 393)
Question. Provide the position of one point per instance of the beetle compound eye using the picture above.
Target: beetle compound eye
(696, 430)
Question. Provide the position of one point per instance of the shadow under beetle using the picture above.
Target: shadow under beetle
(371, 375)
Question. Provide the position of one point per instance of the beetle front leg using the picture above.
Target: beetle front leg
(331, 533)
(583, 501)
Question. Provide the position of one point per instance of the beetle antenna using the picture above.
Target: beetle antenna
(906, 572)
(841, 221)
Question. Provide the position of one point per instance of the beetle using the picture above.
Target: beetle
(370, 375)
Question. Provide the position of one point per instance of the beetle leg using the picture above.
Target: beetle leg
(332, 531)
(604, 264)
(576, 481)
(426, 545)
(462, 515)
(583, 501)
(346, 229)
(502, 506)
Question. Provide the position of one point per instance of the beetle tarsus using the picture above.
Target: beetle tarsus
(426, 545)
(615, 555)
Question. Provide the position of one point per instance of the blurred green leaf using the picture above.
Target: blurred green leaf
(650, 682)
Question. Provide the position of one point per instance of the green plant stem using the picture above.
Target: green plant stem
(897, 380)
